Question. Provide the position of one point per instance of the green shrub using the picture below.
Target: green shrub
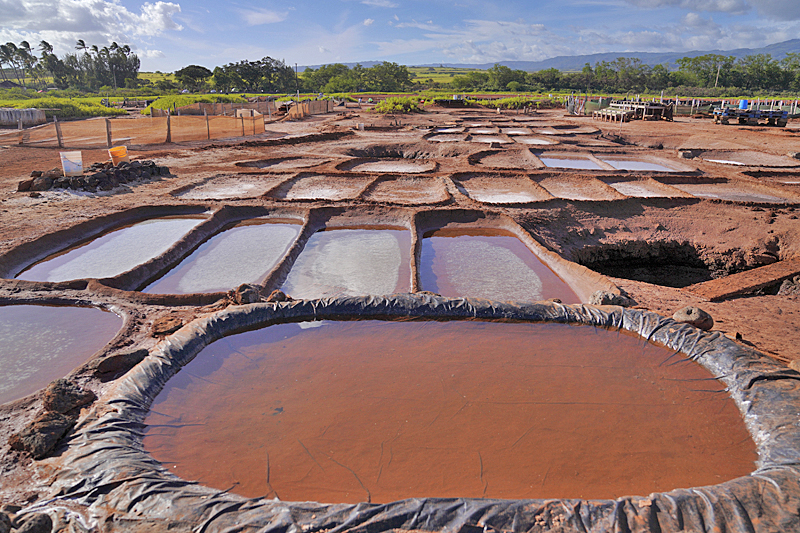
(180, 100)
(64, 107)
(398, 105)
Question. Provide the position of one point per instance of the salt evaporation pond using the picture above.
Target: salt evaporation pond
(728, 191)
(381, 411)
(41, 343)
(113, 253)
(403, 166)
(244, 253)
(532, 140)
(621, 164)
(577, 163)
(491, 264)
(352, 262)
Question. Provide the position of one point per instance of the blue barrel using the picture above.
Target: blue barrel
(742, 104)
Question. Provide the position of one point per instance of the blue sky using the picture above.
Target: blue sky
(170, 35)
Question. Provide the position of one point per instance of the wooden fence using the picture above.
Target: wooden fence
(105, 132)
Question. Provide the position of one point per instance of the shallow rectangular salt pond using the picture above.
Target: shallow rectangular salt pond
(487, 263)
(244, 253)
(382, 411)
(642, 166)
(114, 252)
(735, 192)
(579, 163)
(41, 343)
(352, 262)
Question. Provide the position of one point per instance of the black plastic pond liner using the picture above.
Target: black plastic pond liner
(106, 468)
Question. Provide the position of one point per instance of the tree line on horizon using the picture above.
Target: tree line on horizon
(93, 69)
(90, 68)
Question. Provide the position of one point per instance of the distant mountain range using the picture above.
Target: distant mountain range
(574, 63)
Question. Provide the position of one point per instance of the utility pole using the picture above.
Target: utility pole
(296, 84)
(717, 80)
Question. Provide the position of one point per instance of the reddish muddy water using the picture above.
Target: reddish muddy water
(380, 411)
(490, 264)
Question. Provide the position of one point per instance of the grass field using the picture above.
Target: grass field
(438, 74)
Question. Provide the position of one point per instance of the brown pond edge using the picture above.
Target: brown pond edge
(103, 467)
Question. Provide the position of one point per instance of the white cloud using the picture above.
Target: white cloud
(257, 17)
(369, 22)
(735, 7)
(779, 9)
(151, 54)
(378, 3)
(62, 22)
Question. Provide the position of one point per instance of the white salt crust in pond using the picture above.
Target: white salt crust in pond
(725, 191)
(243, 254)
(638, 189)
(351, 262)
(532, 140)
(620, 164)
(501, 197)
(726, 162)
(578, 163)
(113, 253)
(40, 343)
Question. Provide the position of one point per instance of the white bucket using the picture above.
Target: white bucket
(72, 163)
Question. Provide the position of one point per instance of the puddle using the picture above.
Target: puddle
(490, 264)
(532, 140)
(244, 253)
(400, 166)
(232, 187)
(577, 163)
(352, 262)
(728, 191)
(41, 343)
(621, 164)
(486, 139)
(113, 253)
(382, 411)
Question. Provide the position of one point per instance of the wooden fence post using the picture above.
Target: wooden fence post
(242, 117)
(108, 133)
(58, 132)
(169, 129)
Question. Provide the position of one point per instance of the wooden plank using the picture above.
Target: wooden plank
(746, 282)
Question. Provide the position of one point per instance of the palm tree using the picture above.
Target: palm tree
(10, 55)
(81, 45)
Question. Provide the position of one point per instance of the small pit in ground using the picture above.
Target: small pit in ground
(670, 264)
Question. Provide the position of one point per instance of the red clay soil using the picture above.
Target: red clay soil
(733, 236)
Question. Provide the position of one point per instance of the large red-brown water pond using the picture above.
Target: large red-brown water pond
(380, 411)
